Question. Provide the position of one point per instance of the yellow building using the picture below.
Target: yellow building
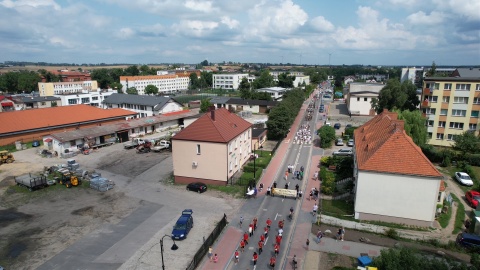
(451, 105)
(61, 88)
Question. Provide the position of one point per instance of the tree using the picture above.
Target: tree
(396, 95)
(264, 80)
(327, 136)
(151, 90)
(244, 88)
(204, 105)
(431, 72)
(132, 91)
(285, 80)
(207, 79)
(194, 82)
(103, 77)
(117, 86)
(132, 71)
(204, 63)
(414, 126)
(466, 143)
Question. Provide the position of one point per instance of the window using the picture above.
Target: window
(462, 100)
(477, 87)
(85, 100)
(439, 136)
(365, 99)
(230, 165)
(230, 148)
(236, 161)
(358, 99)
(475, 114)
(44, 103)
(72, 101)
(429, 135)
(476, 100)
(463, 87)
(448, 86)
(236, 144)
(459, 112)
(430, 123)
(456, 125)
(198, 149)
(443, 112)
(451, 137)
(436, 86)
(430, 111)
(441, 124)
(432, 99)
(472, 127)
(446, 99)
(94, 98)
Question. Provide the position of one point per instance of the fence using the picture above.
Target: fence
(207, 243)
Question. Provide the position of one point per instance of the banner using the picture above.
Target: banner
(284, 192)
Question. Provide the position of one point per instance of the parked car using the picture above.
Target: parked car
(327, 96)
(473, 198)
(348, 126)
(198, 187)
(464, 178)
(183, 226)
(468, 240)
(339, 142)
(343, 152)
(328, 124)
(350, 143)
(321, 110)
(337, 125)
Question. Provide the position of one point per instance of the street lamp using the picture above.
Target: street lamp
(261, 150)
(174, 247)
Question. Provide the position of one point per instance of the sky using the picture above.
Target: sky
(314, 32)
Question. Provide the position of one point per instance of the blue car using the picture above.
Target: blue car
(183, 226)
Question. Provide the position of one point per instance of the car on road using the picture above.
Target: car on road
(463, 178)
(183, 225)
(343, 152)
(350, 143)
(339, 142)
(327, 96)
(473, 198)
(337, 125)
(197, 186)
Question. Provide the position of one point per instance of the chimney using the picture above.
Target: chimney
(399, 125)
(212, 112)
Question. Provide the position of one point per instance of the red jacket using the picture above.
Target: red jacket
(262, 238)
(255, 257)
(260, 244)
(245, 236)
(269, 222)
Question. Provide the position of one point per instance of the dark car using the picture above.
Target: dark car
(198, 187)
(35, 144)
(468, 240)
(348, 126)
(321, 110)
(183, 226)
(337, 126)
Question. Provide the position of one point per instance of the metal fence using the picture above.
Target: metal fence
(207, 243)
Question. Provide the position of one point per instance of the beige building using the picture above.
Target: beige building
(451, 105)
(211, 149)
(62, 88)
(359, 97)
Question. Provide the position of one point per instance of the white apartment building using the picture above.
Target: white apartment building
(167, 84)
(275, 92)
(92, 98)
(46, 89)
(228, 81)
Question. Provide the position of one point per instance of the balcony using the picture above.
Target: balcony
(426, 91)
(426, 104)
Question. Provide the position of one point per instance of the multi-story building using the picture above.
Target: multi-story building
(300, 78)
(60, 88)
(144, 106)
(72, 76)
(228, 81)
(92, 98)
(275, 92)
(166, 83)
(451, 105)
(359, 97)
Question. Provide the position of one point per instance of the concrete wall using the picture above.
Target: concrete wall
(388, 197)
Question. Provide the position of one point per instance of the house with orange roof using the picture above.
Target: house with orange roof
(211, 149)
(394, 181)
(30, 125)
(143, 105)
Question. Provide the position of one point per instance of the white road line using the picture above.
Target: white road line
(276, 217)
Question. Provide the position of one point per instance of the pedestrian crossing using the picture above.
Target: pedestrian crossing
(301, 142)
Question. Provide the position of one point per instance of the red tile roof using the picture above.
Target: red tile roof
(16, 121)
(382, 145)
(224, 128)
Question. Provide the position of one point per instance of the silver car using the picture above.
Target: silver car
(464, 178)
(343, 152)
(339, 142)
(350, 143)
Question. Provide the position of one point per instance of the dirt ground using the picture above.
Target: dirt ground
(38, 225)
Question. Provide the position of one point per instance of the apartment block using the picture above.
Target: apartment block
(228, 81)
(451, 105)
(166, 84)
(61, 88)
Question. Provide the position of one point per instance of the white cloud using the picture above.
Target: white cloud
(321, 24)
(403, 2)
(294, 43)
(30, 3)
(195, 28)
(199, 6)
(125, 33)
(420, 17)
(58, 41)
(231, 23)
(468, 8)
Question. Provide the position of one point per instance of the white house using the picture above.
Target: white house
(359, 97)
(348, 79)
(275, 92)
(143, 105)
(228, 81)
(394, 181)
(92, 98)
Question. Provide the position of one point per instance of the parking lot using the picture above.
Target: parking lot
(39, 227)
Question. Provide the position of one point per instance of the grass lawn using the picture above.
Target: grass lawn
(460, 216)
(338, 208)
(450, 171)
(444, 219)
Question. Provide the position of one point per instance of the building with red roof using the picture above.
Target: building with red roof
(211, 149)
(394, 181)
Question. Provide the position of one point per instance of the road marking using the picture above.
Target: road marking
(276, 217)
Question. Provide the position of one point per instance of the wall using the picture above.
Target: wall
(171, 106)
(360, 107)
(400, 197)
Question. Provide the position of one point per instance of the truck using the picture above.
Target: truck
(161, 145)
(133, 143)
(32, 182)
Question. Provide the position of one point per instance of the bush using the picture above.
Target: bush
(325, 160)
(474, 159)
(392, 233)
(432, 153)
(328, 183)
(327, 136)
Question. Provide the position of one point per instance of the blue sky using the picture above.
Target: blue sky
(381, 32)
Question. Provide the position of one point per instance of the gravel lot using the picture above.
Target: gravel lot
(38, 225)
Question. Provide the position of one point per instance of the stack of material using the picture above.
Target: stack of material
(101, 184)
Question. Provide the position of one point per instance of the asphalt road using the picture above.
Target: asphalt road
(276, 208)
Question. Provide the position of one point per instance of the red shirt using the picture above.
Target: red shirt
(276, 247)
(255, 257)
(236, 253)
(279, 239)
(269, 222)
(272, 260)
(245, 236)
(262, 238)
(242, 244)
(260, 244)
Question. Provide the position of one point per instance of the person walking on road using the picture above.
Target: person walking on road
(342, 233)
(276, 249)
(250, 230)
(210, 253)
(245, 238)
(255, 258)
(237, 255)
(319, 236)
(278, 239)
(255, 220)
(215, 258)
(241, 221)
(242, 245)
(260, 247)
(297, 188)
(315, 209)
(307, 243)
(265, 232)
(272, 262)
(262, 238)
